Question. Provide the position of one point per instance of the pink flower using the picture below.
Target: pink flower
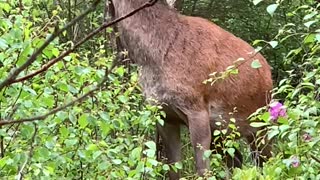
(277, 110)
(295, 161)
(307, 137)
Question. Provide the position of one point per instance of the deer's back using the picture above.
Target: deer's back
(177, 53)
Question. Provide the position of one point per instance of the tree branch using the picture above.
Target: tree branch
(89, 36)
(16, 71)
(84, 96)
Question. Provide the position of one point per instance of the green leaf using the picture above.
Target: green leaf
(48, 101)
(178, 165)
(255, 42)
(62, 115)
(161, 122)
(123, 98)
(216, 132)
(207, 154)
(55, 52)
(81, 70)
(121, 70)
(150, 153)
(26, 130)
(109, 30)
(224, 131)
(5, 6)
(255, 2)
(272, 8)
(116, 161)
(64, 132)
(151, 145)
(70, 142)
(67, 58)
(265, 117)
(309, 23)
(24, 55)
(308, 85)
(273, 44)
(83, 122)
(258, 124)
(63, 87)
(105, 116)
(273, 133)
(153, 162)
(92, 147)
(282, 120)
(3, 44)
(231, 151)
(3, 161)
(310, 38)
(318, 37)
(136, 153)
(43, 152)
(256, 64)
(165, 167)
(283, 128)
(309, 16)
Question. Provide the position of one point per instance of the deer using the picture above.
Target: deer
(176, 53)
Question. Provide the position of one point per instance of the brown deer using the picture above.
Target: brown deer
(176, 54)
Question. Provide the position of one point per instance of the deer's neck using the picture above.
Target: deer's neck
(149, 15)
(123, 7)
(148, 31)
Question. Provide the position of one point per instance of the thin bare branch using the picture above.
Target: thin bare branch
(315, 158)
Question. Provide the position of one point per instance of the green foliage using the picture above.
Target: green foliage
(109, 135)
(297, 147)
(288, 35)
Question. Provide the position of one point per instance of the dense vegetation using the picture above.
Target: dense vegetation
(109, 132)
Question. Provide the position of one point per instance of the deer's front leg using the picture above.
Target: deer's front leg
(170, 134)
(200, 135)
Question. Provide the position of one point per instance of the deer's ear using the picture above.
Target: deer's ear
(168, 2)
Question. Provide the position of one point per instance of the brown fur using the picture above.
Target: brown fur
(176, 54)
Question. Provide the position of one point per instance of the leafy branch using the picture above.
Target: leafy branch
(55, 110)
(13, 75)
(11, 78)
(15, 72)
(85, 39)
(234, 68)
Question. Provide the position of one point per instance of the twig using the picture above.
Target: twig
(12, 138)
(1, 146)
(30, 154)
(15, 72)
(315, 158)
